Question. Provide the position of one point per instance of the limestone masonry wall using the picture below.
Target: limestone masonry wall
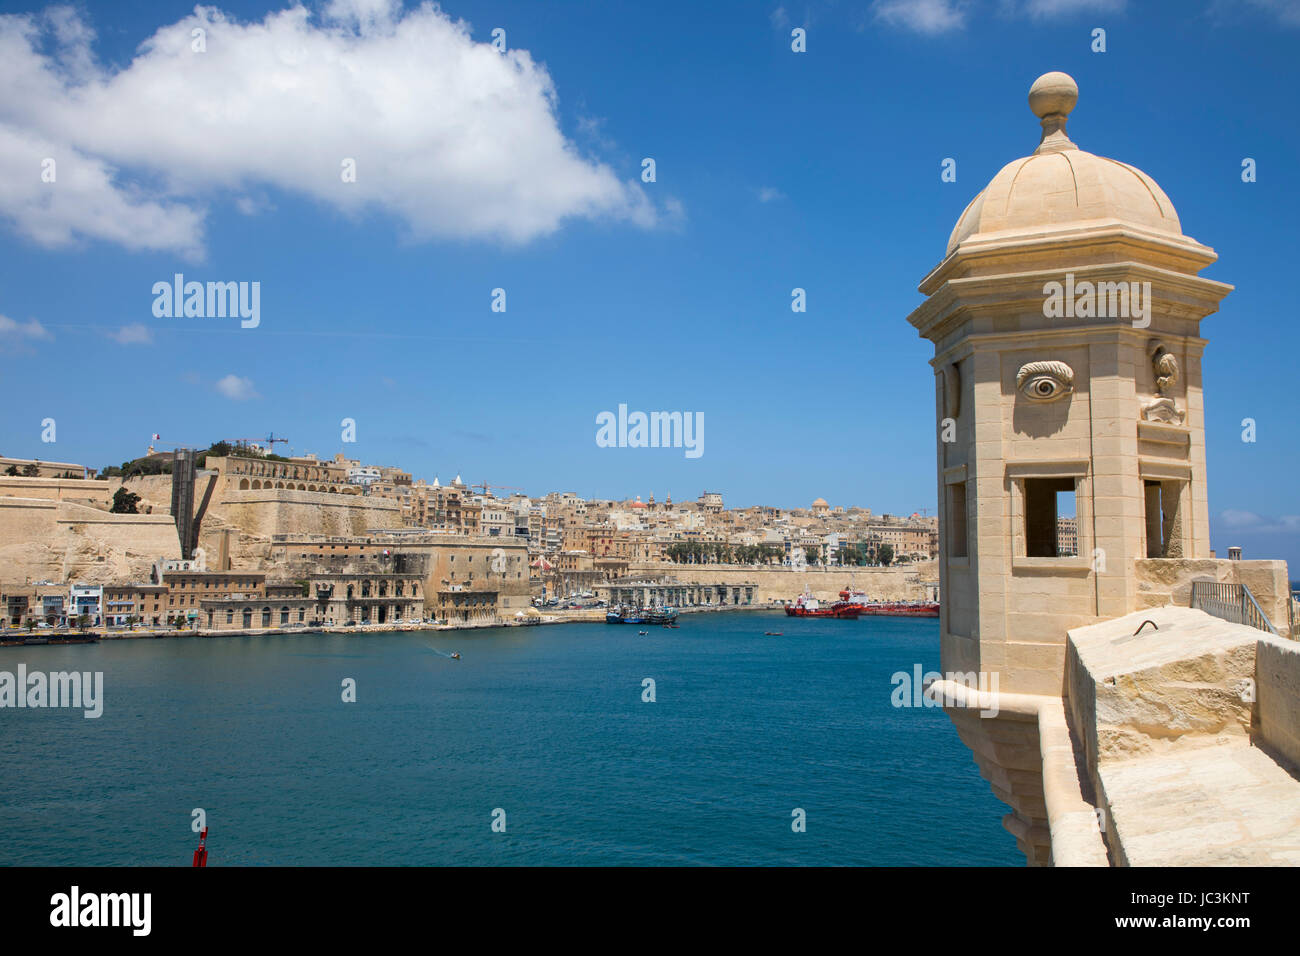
(49, 540)
(95, 494)
(1277, 677)
(901, 583)
(252, 517)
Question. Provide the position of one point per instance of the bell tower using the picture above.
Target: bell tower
(1070, 441)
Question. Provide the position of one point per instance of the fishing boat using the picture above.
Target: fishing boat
(646, 615)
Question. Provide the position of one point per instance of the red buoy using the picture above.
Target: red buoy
(201, 854)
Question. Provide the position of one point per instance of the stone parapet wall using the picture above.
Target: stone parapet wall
(89, 492)
(1277, 711)
(1164, 581)
(1022, 745)
(1179, 724)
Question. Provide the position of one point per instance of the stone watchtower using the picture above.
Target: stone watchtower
(1065, 319)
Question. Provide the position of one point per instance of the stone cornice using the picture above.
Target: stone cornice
(1073, 240)
(1175, 294)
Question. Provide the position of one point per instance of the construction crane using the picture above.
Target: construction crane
(269, 441)
(487, 489)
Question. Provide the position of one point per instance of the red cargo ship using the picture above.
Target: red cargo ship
(888, 608)
(808, 606)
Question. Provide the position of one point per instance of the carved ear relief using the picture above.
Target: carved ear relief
(952, 390)
(1045, 381)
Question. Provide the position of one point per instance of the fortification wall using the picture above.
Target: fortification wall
(248, 519)
(902, 583)
(92, 493)
(49, 540)
(253, 517)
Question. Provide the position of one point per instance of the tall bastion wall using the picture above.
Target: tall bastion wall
(57, 529)
(246, 521)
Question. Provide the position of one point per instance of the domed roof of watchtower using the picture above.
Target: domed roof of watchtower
(1060, 187)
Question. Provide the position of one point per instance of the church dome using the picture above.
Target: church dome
(1060, 186)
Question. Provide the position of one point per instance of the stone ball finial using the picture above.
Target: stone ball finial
(1053, 93)
(1051, 98)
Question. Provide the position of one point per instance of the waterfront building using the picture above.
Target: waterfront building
(439, 560)
(460, 604)
(369, 597)
(41, 602)
(135, 603)
(670, 592)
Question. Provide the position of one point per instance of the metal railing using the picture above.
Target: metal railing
(1230, 602)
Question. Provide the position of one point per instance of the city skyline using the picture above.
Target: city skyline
(672, 294)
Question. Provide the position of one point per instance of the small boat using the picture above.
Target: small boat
(643, 633)
(771, 633)
(455, 656)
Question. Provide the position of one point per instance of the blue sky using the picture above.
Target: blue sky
(774, 170)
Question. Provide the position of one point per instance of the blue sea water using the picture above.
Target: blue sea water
(545, 723)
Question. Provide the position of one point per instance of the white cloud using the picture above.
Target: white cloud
(768, 194)
(250, 206)
(451, 138)
(18, 332)
(1234, 519)
(236, 388)
(133, 334)
(1287, 11)
(1045, 9)
(923, 16)
(780, 19)
(943, 16)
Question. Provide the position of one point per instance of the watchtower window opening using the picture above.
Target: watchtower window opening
(1162, 500)
(1047, 502)
(957, 520)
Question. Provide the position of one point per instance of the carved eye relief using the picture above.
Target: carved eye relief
(1045, 381)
